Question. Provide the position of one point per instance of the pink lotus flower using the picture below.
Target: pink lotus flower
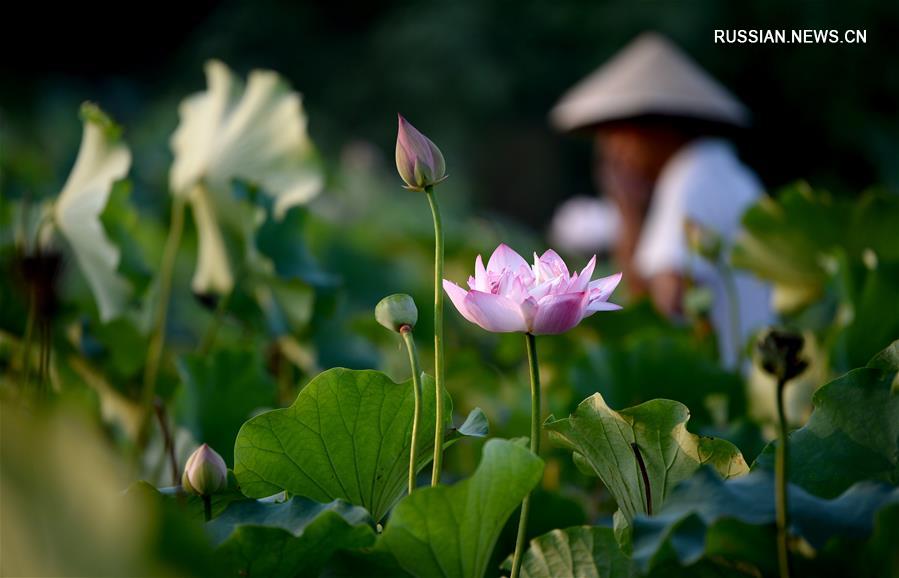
(511, 296)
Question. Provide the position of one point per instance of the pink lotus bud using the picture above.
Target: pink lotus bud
(205, 472)
(508, 295)
(418, 160)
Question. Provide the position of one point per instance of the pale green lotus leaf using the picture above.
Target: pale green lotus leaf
(641, 449)
(255, 133)
(582, 551)
(102, 160)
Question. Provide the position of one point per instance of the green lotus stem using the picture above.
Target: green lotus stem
(780, 485)
(169, 441)
(207, 507)
(46, 219)
(535, 447)
(438, 335)
(733, 309)
(218, 317)
(46, 344)
(29, 338)
(406, 332)
(157, 339)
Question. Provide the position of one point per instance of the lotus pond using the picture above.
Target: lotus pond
(294, 371)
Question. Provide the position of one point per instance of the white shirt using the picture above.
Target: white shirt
(707, 183)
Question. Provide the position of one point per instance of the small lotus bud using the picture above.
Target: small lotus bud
(703, 241)
(779, 354)
(396, 311)
(418, 160)
(205, 472)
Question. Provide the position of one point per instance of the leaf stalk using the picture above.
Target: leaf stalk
(406, 332)
(782, 513)
(157, 339)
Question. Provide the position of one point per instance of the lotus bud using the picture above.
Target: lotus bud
(205, 472)
(397, 311)
(703, 241)
(418, 160)
(779, 354)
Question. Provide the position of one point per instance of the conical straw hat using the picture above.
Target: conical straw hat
(650, 76)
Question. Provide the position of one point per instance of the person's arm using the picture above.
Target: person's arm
(667, 292)
(632, 197)
(659, 254)
(624, 255)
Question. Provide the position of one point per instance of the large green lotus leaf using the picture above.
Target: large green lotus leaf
(450, 531)
(221, 391)
(603, 443)
(176, 535)
(853, 433)
(658, 364)
(347, 436)
(880, 556)
(287, 539)
(285, 279)
(550, 509)
(582, 551)
(119, 346)
(369, 562)
(789, 240)
(876, 557)
(129, 233)
(64, 512)
(698, 519)
(869, 319)
(873, 225)
(191, 504)
(283, 243)
(783, 239)
(287, 305)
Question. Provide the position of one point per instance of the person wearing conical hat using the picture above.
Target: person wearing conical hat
(658, 122)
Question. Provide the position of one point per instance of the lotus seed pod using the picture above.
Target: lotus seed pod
(396, 311)
(779, 353)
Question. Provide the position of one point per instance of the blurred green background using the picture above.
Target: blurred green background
(479, 74)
